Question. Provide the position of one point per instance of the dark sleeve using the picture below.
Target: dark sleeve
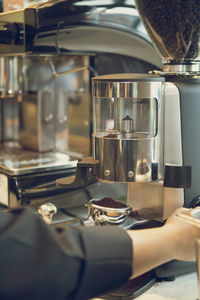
(39, 262)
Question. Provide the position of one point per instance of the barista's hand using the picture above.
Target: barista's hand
(182, 237)
(155, 246)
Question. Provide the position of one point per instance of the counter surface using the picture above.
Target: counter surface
(183, 288)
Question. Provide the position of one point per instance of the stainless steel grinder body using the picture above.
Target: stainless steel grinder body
(128, 117)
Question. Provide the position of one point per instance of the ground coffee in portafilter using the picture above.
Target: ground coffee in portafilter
(173, 25)
(109, 202)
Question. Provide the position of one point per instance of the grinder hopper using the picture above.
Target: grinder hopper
(174, 28)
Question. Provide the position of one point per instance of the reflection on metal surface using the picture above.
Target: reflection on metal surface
(47, 211)
(4, 190)
(9, 119)
(17, 161)
(37, 129)
(143, 170)
(154, 200)
(102, 215)
(43, 111)
(173, 135)
(126, 86)
(127, 124)
(124, 158)
(77, 27)
(178, 69)
(11, 83)
(58, 106)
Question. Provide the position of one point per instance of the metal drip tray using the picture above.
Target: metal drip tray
(17, 161)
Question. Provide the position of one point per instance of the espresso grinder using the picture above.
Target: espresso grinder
(130, 145)
(145, 127)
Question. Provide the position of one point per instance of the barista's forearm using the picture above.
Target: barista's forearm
(151, 248)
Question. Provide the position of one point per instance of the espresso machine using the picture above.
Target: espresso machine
(48, 54)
